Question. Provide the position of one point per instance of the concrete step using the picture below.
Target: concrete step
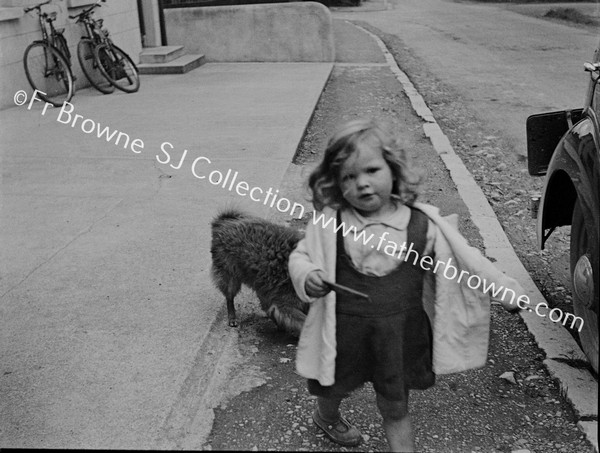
(162, 54)
(180, 65)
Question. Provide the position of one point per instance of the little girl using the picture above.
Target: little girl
(365, 183)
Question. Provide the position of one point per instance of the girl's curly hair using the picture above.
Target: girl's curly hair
(324, 180)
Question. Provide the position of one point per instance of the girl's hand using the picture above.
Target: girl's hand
(314, 285)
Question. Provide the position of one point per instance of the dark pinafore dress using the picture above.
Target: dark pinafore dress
(388, 340)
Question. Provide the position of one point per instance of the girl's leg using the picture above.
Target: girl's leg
(329, 408)
(397, 424)
(328, 418)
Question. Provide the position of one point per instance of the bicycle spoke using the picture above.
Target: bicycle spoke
(91, 68)
(48, 72)
(118, 67)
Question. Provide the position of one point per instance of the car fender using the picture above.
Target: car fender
(573, 172)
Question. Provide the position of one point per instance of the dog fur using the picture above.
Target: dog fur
(252, 251)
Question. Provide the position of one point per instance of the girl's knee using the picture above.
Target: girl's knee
(392, 410)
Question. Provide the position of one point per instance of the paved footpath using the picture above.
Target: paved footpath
(105, 297)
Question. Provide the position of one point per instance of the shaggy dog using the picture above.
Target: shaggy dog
(251, 251)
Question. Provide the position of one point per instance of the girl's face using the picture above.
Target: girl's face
(366, 181)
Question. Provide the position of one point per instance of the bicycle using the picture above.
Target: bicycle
(47, 61)
(99, 56)
(85, 53)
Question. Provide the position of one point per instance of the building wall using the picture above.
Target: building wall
(277, 32)
(18, 30)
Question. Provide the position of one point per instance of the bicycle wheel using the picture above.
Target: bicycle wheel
(91, 69)
(48, 72)
(117, 67)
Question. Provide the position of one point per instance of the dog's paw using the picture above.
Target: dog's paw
(233, 323)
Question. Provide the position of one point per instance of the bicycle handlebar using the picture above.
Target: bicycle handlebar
(85, 12)
(38, 6)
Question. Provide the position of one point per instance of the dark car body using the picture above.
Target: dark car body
(565, 148)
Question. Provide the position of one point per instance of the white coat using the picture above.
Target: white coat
(459, 315)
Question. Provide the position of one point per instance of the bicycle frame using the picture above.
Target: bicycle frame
(50, 33)
(93, 27)
(49, 37)
(42, 18)
(94, 31)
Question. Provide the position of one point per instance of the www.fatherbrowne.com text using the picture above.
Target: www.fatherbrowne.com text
(406, 253)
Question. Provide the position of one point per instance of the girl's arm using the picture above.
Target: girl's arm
(308, 266)
(300, 266)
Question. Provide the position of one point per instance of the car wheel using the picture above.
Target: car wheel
(582, 279)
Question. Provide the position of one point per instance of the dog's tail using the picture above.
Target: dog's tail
(227, 214)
